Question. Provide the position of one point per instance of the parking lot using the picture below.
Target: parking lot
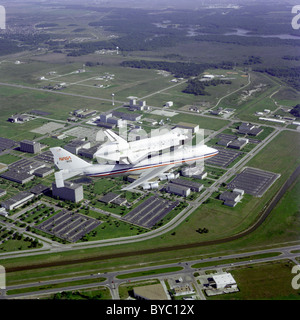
(253, 181)
(224, 158)
(69, 226)
(150, 212)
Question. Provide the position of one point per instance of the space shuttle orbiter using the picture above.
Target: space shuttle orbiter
(121, 151)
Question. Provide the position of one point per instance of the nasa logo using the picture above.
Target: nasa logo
(65, 158)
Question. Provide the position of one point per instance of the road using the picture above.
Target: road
(113, 282)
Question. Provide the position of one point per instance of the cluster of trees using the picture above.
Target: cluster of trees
(202, 230)
(197, 87)
(247, 41)
(291, 58)
(296, 111)
(252, 60)
(178, 69)
(290, 75)
(13, 43)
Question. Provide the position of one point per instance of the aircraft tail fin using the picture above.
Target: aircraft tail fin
(64, 159)
(115, 138)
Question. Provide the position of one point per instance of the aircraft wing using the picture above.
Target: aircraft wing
(150, 174)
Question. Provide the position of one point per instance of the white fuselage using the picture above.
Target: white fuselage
(117, 151)
(177, 157)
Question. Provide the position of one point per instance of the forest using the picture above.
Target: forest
(178, 69)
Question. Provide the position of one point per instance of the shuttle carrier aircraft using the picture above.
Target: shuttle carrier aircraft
(149, 168)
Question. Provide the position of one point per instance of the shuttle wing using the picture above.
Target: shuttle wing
(150, 174)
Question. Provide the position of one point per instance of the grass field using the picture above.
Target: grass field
(269, 281)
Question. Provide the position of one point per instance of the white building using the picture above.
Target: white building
(169, 104)
(224, 280)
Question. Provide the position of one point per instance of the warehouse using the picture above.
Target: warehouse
(76, 145)
(2, 193)
(194, 186)
(127, 116)
(223, 280)
(17, 176)
(43, 172)
(178, 189)
(250, 129)
(17, 200)
(231, 198)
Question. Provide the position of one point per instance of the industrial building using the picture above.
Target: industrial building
(71, 191)
(17, 176)
(86, 113)
(141, 106)
(231, 198)
(169, 104)
(2, 193)
(43, 172)
(113, 198)
(19, 118)
(108, 120)
(223, 280)
(30, 146)
(6, 144)
(88, 153)
(127, 116)
(39, 189)
(189, 126)
(178, 189)
(75, 145)
(194, 186)
(22, 170)
(17, 200)
(250, 129)
(239, 143)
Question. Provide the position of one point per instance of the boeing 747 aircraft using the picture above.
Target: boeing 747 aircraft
(149, 167)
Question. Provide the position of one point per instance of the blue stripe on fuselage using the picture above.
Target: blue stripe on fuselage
(118, 171)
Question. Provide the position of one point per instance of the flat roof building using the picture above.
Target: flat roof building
(17, 200)
(190, 126)
(194, 186)
(39, 189)
(178, 189)
(231, 198)
(43, 172)
(224, 280)
(71, 191)
(127, 116)
(17, 176)
(2, 193)
(30, 146)
(75, 145)
(238, 143)
(113, 198)
(250, 129)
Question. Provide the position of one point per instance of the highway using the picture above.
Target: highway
(187, 272)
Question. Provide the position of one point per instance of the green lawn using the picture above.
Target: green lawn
(269, 281)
